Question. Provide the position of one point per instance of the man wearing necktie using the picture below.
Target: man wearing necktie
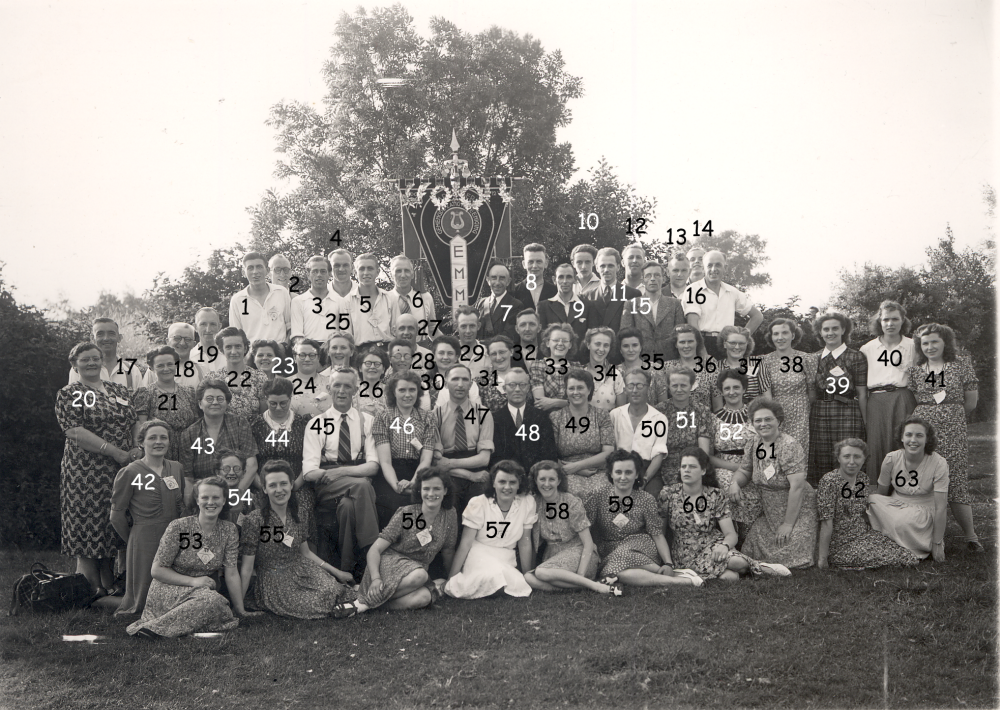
(610, 297)
(521, 431)
(498, 311)
(534, 289)
(404, 299)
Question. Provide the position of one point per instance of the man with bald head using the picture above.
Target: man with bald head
(180, 336)
(711, 304)
(498, 311)
(407, 327)
(279, 269)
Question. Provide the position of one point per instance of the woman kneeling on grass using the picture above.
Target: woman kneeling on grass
(182, 597)
(629, 531)
(570, 560)
(407, 546)
(291, 580)
(495, 523)
(697, 514)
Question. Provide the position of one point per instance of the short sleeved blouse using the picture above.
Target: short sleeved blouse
(400, 442)
(959, 378)
(931, 475)
(223, 544)
(576, 441)
(484, 515)
(788, 459)
(444, 534)
(555, 528)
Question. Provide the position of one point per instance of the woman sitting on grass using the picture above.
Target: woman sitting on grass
(396, 575)
(494, 524)
(570, 560)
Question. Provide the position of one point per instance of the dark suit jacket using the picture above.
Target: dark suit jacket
(609, 312)
(493, 322)
(657, 336)
(525, 451)
(550, 312)
(522, 294)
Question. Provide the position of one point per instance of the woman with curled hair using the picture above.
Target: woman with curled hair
(738, 345)
(731, 432)
(570, 559)
(584, 435)
(493, 525)
(166, 399)
(793, 377)
(947, 390)
(632, 348)
(340, 349)
(265, 356)
(370, 397)
(245, 384)
(626, 525)
(397, 575)
(310, 395)
(785, 531)
(151, 491)
(688, 342)
(492, 394)
(609, 387)
(846, 538)
(97, 418)
(690, 423)
(841, 393)
(291, 580)
(182, 597)
(911, 505)
(548, 373)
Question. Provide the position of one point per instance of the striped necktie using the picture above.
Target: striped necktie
(344, 449)
(461, 440)
(404, 304)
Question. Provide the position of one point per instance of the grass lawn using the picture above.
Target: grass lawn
(923, 638)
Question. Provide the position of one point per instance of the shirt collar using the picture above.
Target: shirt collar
(514, 410)
(836, 353)
(556, 299)
(353, 414)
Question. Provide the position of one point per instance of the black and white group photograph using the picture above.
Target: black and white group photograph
(498, 355)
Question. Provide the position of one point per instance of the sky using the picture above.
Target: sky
(133, 136)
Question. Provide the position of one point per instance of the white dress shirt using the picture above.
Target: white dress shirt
(717, 311)
(317, 326)
(646, 445)
(267, 321)
(319, 448)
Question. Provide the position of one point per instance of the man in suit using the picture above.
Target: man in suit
(521, 432)
(498, 311)
(611, 298)
(534, 288)
(566, 306)
(527, 344)
(656, 314)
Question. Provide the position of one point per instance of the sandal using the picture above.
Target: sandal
(609, 580)
(616, 589)
(344, 611)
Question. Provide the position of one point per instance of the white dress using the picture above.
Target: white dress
(490, 565)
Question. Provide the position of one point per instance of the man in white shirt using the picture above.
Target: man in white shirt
(649, 437)
(368, 306)
(404, 300)
(180, 336)
(582, 257)
(261, 310)
(711, 304)
(343, 267)
(280, 271)
(339, 460)
(104, 333)
(208, 324)
(678, 270)
(446, 351)
(634, 257)
(318, 313)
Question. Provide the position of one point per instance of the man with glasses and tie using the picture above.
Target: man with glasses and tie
(180, 336)
(403, 298)
(498, 311)
(465, 443)
(521, 431)
(339, 460)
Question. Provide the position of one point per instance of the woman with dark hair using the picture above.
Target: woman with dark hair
(785, 531)
(609, 384)
(584, 435)
(890, 356)
(846, 538)
(398, 561)
(631, 346)
(570, 560)
(493, 525)
(265, 356)
(310, 395)
(182, 597)
(947, 390)
(548, 373)
(404, 437)
(291, 580)
(151, 491)
(370, 397)
(793, 377)
(491, 380)
(731, 432)
(628, 530)
(688, 343)
(697, 514)
(245, 384)
(916, 513)
(231, 465)
(738, 345)
(842, 394)
(166, 399)
(97, 418)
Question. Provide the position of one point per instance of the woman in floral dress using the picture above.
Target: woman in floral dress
(793, 376)
(166, 399)
(291, 580)
(697, 514)
(310, 393)
(731, 432)
(245, 384)
(490, 377)
(846, 538)
(182, 598)
(785, 532)
(947, 390)
(584, 443)
(688, 343)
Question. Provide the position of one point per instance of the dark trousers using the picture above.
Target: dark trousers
(712, 345)
(346, 511)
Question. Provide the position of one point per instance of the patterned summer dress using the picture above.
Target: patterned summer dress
(791, 389)
(406, 553)
(576, 445)
(180, 411)
(727, 443)
(697, 532)
(948, 418)
(87, 478)
(564, 548)
(554, 383)
(686, 427)
(854, 544)
(835, 416)
(174, 611)
(287, 584)
(630, 545)
(247, 390)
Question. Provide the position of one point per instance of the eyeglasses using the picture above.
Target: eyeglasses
(214, 400)
(372, 364)
(180, 339)
(636, 386)
(231, 469)
(517, 385)
(281, 270)
(307, 356)
(88, 360)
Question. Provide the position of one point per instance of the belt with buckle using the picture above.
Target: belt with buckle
(884, 388)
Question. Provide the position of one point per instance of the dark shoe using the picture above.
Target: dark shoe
(975, 546)
(147, 634)
(344, 611)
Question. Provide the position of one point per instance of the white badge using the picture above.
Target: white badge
(273, 313)
(288, 540)
(769, 472)
(123, 402)
(415, 443)
(940, 395)
(205, 555)
(620, 520)
(837, 371)
(171, 483)
(424, 537)
(697, 518)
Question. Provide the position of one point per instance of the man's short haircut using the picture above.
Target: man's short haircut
(271, 261)
(527, 312)
(466, 311)
(565, 265)
(336, 252)
(202, 310)
(650, 264)
(640, 247)
(319, 257)
(367, 256)
(254, 256)
(588, 248)
(535, 246)
(98, 321)
(606, 251)
(400, 343)
(493, 266)
(399, 257)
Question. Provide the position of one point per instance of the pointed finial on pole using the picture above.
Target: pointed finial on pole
(454, 141)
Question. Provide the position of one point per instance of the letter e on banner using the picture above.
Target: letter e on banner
(459, 264)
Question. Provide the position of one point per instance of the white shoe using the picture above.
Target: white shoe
(690, 574)
(775, 570)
